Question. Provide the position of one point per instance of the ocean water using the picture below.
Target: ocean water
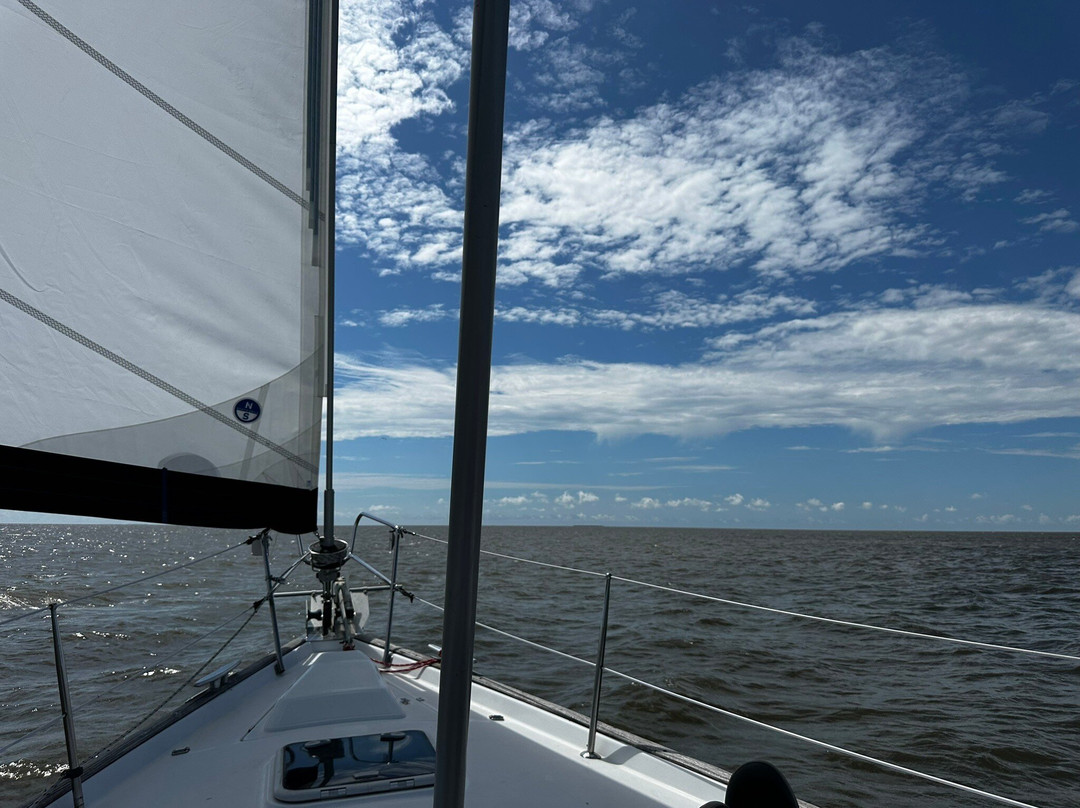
(996, 720)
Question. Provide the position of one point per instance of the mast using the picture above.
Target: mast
(329, 205)
(483, 174)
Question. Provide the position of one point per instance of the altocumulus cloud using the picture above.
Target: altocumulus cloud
(805, 167)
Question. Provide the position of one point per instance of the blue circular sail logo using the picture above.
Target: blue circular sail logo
(247, 410)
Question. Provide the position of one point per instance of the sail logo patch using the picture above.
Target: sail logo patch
(247, 410)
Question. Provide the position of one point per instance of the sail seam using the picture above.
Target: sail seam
(146, 375)
(149, 94)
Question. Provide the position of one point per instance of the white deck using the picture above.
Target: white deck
(531, 756)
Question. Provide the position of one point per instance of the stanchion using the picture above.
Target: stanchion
(74, 771)
(598, 678)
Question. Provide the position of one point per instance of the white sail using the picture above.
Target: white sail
(161, 260)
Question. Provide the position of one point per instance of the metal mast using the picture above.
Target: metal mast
(483, 175)
(328, 203)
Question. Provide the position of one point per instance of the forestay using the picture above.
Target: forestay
(162, 260)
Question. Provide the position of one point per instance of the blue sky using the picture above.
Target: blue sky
(769, 264)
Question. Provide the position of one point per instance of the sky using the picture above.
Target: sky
(770, 264)
(762, 264)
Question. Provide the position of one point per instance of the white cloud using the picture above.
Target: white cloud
(355, 481)
(647, 503)
(519, 500)
(382, 509)
(570, 78)
(674, 309)
(1072, 288)
(883, 373)
(690, 502)
(532, 21)
(1033, 196)
(804, 167)
(1057, 222)
(395, 65)
(734, 499)
(1001, 519)
(698, 469)
(668, 310)
(520, 314)
(1056, 286)
(402, 317)
(382, 82)
(566, 499)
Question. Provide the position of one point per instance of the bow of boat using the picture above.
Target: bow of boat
(300, 737)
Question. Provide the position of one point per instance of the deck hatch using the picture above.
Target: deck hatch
(362, 764)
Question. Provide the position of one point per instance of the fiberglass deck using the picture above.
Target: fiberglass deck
(229, 752)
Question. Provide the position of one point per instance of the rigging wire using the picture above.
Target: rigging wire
(851, 624)
(41, 728)
(784, 612)
(254, 610)
(99, 593)
(23, 615)
(150, 577)
(279, 580)
(761, 724)
(158, 662)
(825, 745)
(407, 667)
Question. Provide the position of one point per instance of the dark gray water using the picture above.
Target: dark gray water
(995, 720)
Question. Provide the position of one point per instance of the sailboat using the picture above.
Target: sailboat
(166, 296)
